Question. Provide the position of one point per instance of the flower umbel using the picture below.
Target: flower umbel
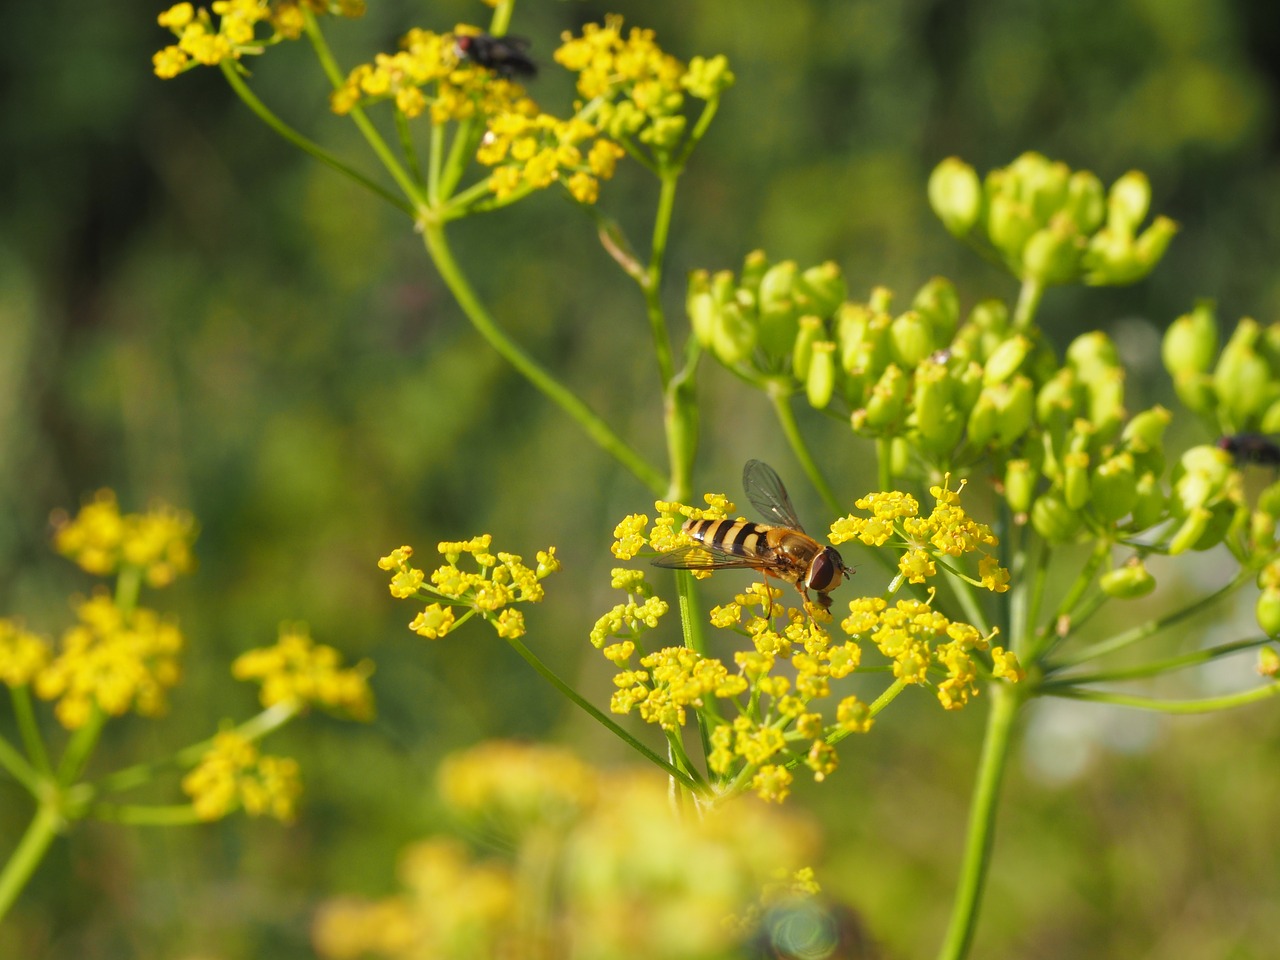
(500, 581)
(297, 669)
(233, 774)
(102, 541)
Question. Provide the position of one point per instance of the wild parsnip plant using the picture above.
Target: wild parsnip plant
(120, 657)
(952, 400)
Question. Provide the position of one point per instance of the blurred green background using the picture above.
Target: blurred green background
(190, 309)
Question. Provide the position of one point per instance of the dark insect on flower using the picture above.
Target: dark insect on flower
(1252, 448)
(783, 550)
(506, 56)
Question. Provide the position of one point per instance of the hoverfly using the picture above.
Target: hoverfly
(1252, 448)
(781, 549)
(505, 56)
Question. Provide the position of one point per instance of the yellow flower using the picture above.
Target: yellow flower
(101, 541)
(233, 774)
(629, 536)
(301, 671)
(113, 662)
(433, 622)
(22, 654)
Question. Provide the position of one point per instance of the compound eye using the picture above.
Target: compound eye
(824, 571)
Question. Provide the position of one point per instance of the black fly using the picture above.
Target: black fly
(1252, 448)
(508, 57)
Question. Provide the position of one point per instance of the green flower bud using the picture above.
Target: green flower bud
(1106, 402)
(708, 77)
(1053, 519)
(1092, 353)
(733, 336)
(810, 332)
(1242, 377)
(1149, 504)
(1114, 258)
(1019, 485)
(939, 304)
(966, 384)
(701, 307)
(1268, 661)
(1009, 226)
(1059, 401)
(990, 316)
(777, 286)
(1114, 486)
(1191, 342)
(1196, 391)
(821, 380)
(910, 340)
(1128, 201)
(983, 419)
(1075, 479)
(1270, 422)
(1015, 406)
(1262, 531)
(1052, 253)
(1144, 433)
(932, 396)
(821, 289)
(1129, 581)
(754, 265)
(955, 195)
(1086, 201)
(888, 398)
(881, 300)
(1201, 477)
(1193, 528)
(1005, 360)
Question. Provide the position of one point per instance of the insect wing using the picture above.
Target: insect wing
(764, 489)
(703, 558)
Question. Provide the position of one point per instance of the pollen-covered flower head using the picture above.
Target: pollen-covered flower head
(299, 670)
(102, 541)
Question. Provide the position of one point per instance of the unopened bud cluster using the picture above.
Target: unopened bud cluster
(1050, 224)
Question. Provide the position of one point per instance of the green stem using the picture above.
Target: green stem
(980, 834)
(558, 393)
(1205, 705)
(12, 760)
(374, 139)
(1144, 630)
(29, 728)
(887, 697)
(1053, 633)
(652, 285)
(1156, 667)
(501, 21)
(780, 397)
(250, 99)
(80, 746)
(142, 815)
(30, 851)
(551, 677)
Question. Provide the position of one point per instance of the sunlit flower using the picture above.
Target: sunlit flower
(298, 670)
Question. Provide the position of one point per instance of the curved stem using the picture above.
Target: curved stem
(17, 766)
(1204, 705)
(553, 678)
(30, 851)
(376, 143)
(531, 370)
(24, 712)
(980, 834)
(1156, 667)
(1053, 633)
(1144, 630)
(781, 400)
(250, 100)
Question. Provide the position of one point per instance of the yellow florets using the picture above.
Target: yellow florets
(500, 580)
(111, 661)
(102, 541)
(298, 670)
(22, 654)
(229, 30)
(233, 774)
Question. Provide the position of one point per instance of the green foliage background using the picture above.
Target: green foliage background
(190, 309)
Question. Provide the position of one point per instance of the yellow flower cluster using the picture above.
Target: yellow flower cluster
(632, 533)
(233, 774)
(22, 654)
(531, 152)
(201, 42)
(101, 541)
(111, 661)
(299, 670)
(502, 579)
(635, 88)
(624, 878)
(947, 532)
(627, 621)
(506, 788)
(916, 637)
